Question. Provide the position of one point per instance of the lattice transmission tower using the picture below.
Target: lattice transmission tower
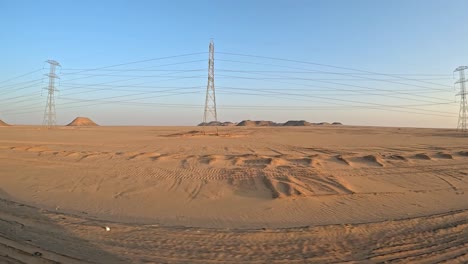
(210, 101)
(49, 112)
(462, 115)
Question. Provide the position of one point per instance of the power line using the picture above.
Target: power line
(390, 91)
(20, 88)
(246, 107)
(13, 85)
(132, 101)
(170, 79)
(133, 78)
(333, 73)
(349, 90)
(328, 89)
(340, 73)
(137, 69)
(265, 93)
(331, 66)
(140, 92)
(103, 100)
(116, 88)
(128, 70)
(145, 69)
(19, 96)
(279, 77)
(352, 101)
(17, 77)
(142, 61)
(426, 77)
(111, 87)
(287, 94)
(137, 76)
(271, 94)
(301, 95)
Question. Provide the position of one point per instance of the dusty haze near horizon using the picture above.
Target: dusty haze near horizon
(233, 195)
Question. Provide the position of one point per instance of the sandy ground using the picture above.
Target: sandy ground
(236, 195)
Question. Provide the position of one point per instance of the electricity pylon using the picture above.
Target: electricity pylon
(210, 101)
(463, 107)
(49, 112)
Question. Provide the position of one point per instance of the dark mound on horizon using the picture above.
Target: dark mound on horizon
(250, 123)
(264, 123)
(322, 124)
(297, 123)
(217, 123)
(82, 121)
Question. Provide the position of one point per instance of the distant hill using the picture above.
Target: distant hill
(297, 123)
(322, 124)
(263, 123)
(251, 123)
(82, 121)
(217, 123)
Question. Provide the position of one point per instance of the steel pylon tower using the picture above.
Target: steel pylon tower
(210, 101)
(462, 114)
(49, 112)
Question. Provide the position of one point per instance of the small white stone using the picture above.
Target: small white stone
(107, 228)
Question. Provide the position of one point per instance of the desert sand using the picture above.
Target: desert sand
(315, 194)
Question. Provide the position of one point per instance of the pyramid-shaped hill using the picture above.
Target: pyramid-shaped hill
(3, 123)
(297, 123)
(251, 123)
(82, 121)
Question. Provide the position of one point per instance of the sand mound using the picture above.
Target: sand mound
(373, 159)
(3, 123)
(229, 124)
(337, 123)
(442, 155)
(256, 123)
(343, 160)
(398, 157)
(422, 156)
(217, 123)
(297, 123)
(322, 124)
(82, 121)
(252, 123)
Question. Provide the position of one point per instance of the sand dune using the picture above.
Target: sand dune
(233, 195)
(82, 121)
(3, 123)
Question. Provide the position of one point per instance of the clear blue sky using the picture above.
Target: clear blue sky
(396, 37)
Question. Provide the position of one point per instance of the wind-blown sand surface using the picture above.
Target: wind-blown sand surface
(233, 195)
